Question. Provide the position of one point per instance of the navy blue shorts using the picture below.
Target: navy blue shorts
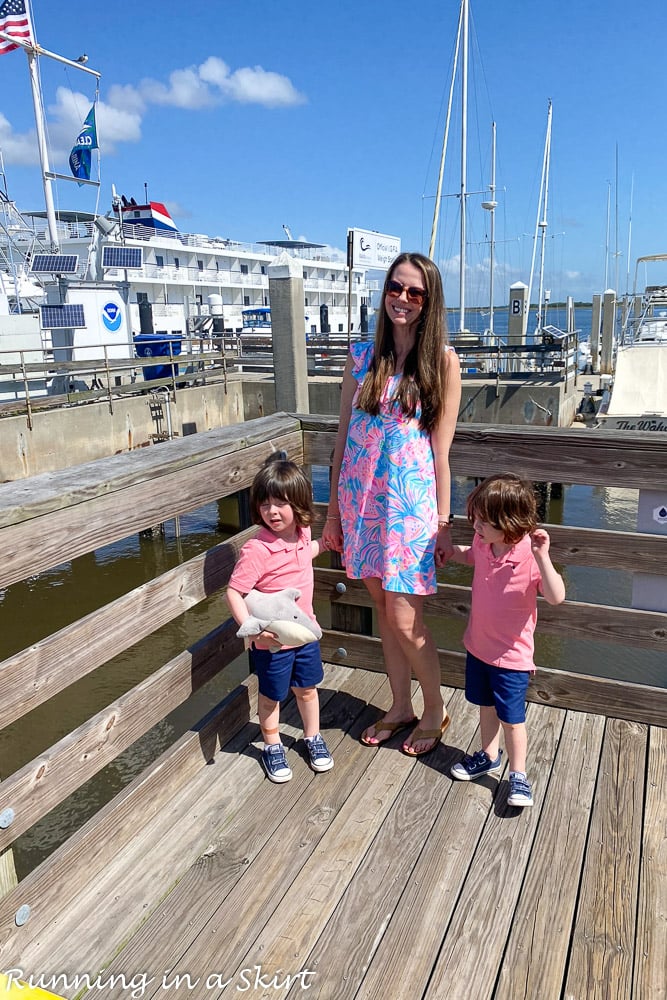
(277, 672)
(503, 689)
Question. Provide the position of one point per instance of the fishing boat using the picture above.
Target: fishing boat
(637, 397)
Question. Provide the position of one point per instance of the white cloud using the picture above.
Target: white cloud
(16, 147)
(120, 116)
(250, 85)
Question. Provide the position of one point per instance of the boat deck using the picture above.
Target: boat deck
(385, 878)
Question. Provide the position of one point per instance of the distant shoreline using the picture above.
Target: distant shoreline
(552, 305)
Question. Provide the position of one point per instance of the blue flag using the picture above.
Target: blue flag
(80, 158)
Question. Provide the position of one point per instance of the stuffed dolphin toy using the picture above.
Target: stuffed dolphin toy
(280, 614)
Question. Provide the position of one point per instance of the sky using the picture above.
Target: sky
(246, 117)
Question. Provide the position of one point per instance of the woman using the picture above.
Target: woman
(391, 484)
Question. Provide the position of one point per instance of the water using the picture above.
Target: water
(42, 605)
(477, 320)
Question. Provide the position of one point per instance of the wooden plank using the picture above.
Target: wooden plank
(603, 942)
(485, 906)
(37, 673)
(558, 688)
(40, 543)
(124, 895)
(244, 931)
(621, 550)
(650, 970)
(218, 884)
(601, 623)
(537, 950)
(52, 491)
(44, 782)
(419, 857)
(52, 886)
(544, 454)
(305, 908)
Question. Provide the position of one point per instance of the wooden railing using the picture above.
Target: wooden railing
(60, 516)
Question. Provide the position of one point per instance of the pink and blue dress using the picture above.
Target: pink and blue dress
(387, 492)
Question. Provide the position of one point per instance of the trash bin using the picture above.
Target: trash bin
(152, 345)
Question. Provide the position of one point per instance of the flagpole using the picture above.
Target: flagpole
(32, 50)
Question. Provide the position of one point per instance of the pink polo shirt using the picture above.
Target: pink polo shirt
(503, 611)
(268, 563)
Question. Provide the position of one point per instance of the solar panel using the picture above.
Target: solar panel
(130, 257)
(62, 317)
(54, 263)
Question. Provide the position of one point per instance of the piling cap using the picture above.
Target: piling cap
(285, 266)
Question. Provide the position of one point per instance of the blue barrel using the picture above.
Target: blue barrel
(152, 345)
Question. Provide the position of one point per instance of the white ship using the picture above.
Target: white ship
(637, 400)
(137, 255)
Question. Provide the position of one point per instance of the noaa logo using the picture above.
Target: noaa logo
(112, 316)
(660, 514)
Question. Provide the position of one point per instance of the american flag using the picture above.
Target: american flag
(14, 20)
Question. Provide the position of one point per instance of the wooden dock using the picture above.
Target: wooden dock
(383, 877)
(386, 878)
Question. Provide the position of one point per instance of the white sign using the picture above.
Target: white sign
(660, 514)
(374, 249)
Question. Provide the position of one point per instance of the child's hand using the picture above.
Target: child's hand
(332, 535)
(266, 640)
(444, 547)
(539, 542)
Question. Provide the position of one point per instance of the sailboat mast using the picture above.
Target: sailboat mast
(443, 152)
(464, 166)
(543, 220)
(491, 204)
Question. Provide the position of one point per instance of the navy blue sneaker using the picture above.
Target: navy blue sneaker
(319, 757)
(475, 765)
(520, 791)
(275, 763)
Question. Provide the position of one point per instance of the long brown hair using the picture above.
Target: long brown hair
(422, 378)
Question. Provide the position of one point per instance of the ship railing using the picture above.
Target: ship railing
(35, 377)
(60, 517)
(515, 360)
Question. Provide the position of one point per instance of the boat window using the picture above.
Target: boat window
(244, 268)
(159, 260)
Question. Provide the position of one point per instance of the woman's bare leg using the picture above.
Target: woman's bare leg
(405, 614)
(398, 668)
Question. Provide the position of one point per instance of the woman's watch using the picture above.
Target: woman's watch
(445, 522)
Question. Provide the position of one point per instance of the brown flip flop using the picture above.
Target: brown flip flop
(427, 734)
(390, 727)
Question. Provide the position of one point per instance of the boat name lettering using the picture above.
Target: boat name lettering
(642, 425)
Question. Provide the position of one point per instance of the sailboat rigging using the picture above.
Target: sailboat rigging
(462, 51)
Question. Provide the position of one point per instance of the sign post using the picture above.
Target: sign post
(375, 251)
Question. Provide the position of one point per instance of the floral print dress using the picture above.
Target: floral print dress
(387, 493)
